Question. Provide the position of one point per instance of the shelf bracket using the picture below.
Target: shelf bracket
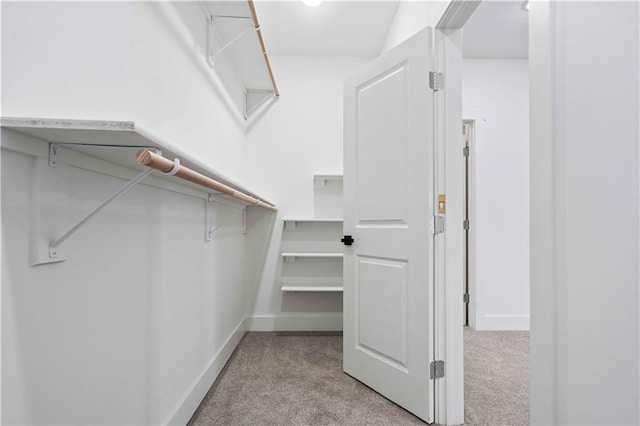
(208, 218)
(210, 228)
(211, 56)
(49, 214)
(53, 155)
(254, 99)
(53, 248)
(245, 220)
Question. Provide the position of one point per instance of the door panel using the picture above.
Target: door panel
(382, 287)
(388, 184)
(382, 119)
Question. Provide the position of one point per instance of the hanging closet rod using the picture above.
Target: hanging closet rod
(158, 162)
(256, 25)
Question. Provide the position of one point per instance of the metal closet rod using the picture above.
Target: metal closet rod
(158, 162)
(256, 25)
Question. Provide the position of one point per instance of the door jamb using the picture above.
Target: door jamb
(471, 215)
(449, 391)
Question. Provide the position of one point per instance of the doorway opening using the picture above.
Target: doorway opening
(495, 128)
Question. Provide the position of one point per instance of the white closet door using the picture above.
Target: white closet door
(388, 188)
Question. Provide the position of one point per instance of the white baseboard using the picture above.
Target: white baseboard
(188, 404)
(308, 322)
(502, 322)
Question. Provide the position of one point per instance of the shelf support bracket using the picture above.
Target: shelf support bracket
(53, 155)
(210, 228)
(212, 56)
(245, 221)
(53, 248)
(250, 107)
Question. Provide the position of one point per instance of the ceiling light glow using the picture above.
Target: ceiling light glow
(525, 5)
(312, 3)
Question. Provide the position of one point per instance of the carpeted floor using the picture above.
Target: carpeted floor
(297, 379)
(496, 377)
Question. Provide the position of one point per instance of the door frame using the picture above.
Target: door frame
(450, 178)
(471, 216)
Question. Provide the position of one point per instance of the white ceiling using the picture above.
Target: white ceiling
(497, 30)
(334, 28)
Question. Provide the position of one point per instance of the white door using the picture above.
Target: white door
(388, 189)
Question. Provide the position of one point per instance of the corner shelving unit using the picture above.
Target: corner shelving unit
(312, 255)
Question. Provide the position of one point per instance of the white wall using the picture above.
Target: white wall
(585, 330)
(135, 325)
(301, 135)
(66, 60)
(121, 331)
(127, 329)
(411, 17)
(496, 96)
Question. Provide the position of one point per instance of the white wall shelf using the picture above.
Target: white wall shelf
(312, 284)
(312, 255)
(89, 137)
(312, 288)
(236, 52)
(312, 220)
(328, 182)
(107, 147)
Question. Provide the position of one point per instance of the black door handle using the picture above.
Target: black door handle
(347, 240)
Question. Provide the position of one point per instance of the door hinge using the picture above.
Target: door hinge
(436, 80)
(436, 368)
(465, 224)
(437, 224)
(465, 298)
(465, 151)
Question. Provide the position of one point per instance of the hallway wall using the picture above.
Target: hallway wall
(585, 210)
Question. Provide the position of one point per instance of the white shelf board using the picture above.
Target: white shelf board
(332, 183)
(88, 135)
(311, 288)
(298, 254)
(292, 224)
(319, 283)
(313, 220)
(328, 177)
(245, 53)
(293, 255)
(235, 55)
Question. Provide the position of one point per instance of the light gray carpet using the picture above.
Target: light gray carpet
(297, 379)
(496, 377)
